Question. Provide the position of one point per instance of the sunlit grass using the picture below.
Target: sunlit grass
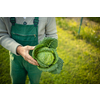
(89, 32)
(81, 61)
(4, 66)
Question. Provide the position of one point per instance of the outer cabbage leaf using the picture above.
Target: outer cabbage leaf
(49, 42)
(59, 66)
(45, 49)
(49, 69)
(55, 56)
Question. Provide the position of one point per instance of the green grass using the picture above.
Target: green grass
(89, 32)
(81, 61)
(4, 66)
(81, 57)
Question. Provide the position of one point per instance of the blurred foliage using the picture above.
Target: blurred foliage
(89, 31)
(81, 61)
(4, 66)
(96, 19)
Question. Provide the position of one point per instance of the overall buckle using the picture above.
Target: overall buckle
(13, 20)
(36, 21)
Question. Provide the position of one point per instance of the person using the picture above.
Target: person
(20, 35)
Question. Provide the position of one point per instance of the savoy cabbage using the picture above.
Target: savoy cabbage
(46, 55)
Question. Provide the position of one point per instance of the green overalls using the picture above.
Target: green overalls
(19, 68)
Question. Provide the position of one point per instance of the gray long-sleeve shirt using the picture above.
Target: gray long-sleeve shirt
(46, 28)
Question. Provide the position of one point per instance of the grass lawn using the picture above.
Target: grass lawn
(81, 58)
(4, 66)
(81, 61)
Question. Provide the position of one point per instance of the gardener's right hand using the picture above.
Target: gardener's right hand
(24, 52)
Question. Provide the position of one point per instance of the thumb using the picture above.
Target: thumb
(30, 47)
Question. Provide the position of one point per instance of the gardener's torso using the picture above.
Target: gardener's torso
(46, 26)
(23, 33)
(29, 20)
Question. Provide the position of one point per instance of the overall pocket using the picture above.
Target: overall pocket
(31, 39)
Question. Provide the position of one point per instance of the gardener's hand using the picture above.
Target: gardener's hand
(24, 52)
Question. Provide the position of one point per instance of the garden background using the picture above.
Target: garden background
(80, 53)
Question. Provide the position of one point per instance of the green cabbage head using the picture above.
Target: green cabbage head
(46, 55)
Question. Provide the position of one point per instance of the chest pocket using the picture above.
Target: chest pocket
(25, 34)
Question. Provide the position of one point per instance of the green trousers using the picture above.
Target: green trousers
(19, 69)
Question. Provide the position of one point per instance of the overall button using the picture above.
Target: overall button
(25, 23)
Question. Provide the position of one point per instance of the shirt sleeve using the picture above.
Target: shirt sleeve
(5, 40)
(51, 30)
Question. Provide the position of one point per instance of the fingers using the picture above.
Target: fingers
(26, 55)
(33, 63)
(31, 60)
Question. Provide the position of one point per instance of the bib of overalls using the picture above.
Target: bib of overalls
(25, 34)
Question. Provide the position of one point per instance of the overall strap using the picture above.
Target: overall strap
(13, 20)
(36, 21)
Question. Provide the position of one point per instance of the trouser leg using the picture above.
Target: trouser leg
(17, 71)
(18, 76)
(34, 74)
(34, 77)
